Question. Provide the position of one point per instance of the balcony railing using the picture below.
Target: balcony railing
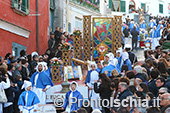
(92, 4)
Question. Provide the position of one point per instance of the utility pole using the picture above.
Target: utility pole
(37, 26)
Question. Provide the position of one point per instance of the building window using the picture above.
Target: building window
(78, 23)
(16, 51)
(21, 5)
(160, 8)
(16, 48)
(117, 6)
(123, 6)
(69, 27)
(114, 5)
(143, 6)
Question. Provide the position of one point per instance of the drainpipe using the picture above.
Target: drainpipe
(67, 15)
(37, 26)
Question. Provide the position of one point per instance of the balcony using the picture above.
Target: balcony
(92, 4)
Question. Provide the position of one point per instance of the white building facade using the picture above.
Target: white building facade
(76, 10)
(154, 7)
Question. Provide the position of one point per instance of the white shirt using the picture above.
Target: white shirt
(35, 80)
(5, 85)
(26, 97)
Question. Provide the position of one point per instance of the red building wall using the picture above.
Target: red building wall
(27, 22)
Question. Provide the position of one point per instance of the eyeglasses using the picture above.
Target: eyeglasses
(158, 81)
(161, 93)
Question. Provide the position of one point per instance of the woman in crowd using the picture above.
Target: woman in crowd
(4, 84)
(104, 90)
(149, 97)
(143, 88)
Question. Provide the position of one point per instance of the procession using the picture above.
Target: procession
(107, 64)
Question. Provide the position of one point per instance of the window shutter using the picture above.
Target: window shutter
(23, 6)
(143, 5)
(123, 6)
(52, 4)
(69, 27)
(160, 8)
(111, 5)
(27, 6)
(15, 3)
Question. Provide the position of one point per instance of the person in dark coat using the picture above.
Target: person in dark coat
(19, 83)
(151, 84)
(160, 82)
(52, 45)
(134, 34)
(139, 73)
(167, 84)
(17, 71)
(103, 89)
(51, 42)
(126, 33)
(57, 34)
(132, 56)
(25, 72)
(58, 38)
(8, 107)
(124, 91)
(59, 52)
(9, 72)
(34, 63)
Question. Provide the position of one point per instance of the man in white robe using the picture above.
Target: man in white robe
(41, 82)
(28, 100)
(94, 75)
(154, 36)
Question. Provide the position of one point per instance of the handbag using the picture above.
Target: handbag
(3, 98)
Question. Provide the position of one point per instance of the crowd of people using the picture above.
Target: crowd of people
(26, 79)
(154, 32)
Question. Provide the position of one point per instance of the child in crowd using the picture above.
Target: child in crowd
(28, 100)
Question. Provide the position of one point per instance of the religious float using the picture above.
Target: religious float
(106, 37)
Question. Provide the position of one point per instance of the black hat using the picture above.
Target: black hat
(51, 33)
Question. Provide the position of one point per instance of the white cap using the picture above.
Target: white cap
(26, 84)
(119, 50)
(34, 53)
(96, 111)
(93, 63)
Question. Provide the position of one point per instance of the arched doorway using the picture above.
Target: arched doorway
(132, 6)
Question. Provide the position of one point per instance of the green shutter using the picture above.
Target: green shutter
(143, 5)
(160, 8)
(27, 7)
(69, 27)
(123, 6)
(52, 4)
(15, 3)
(111, 5)
(23, 6)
